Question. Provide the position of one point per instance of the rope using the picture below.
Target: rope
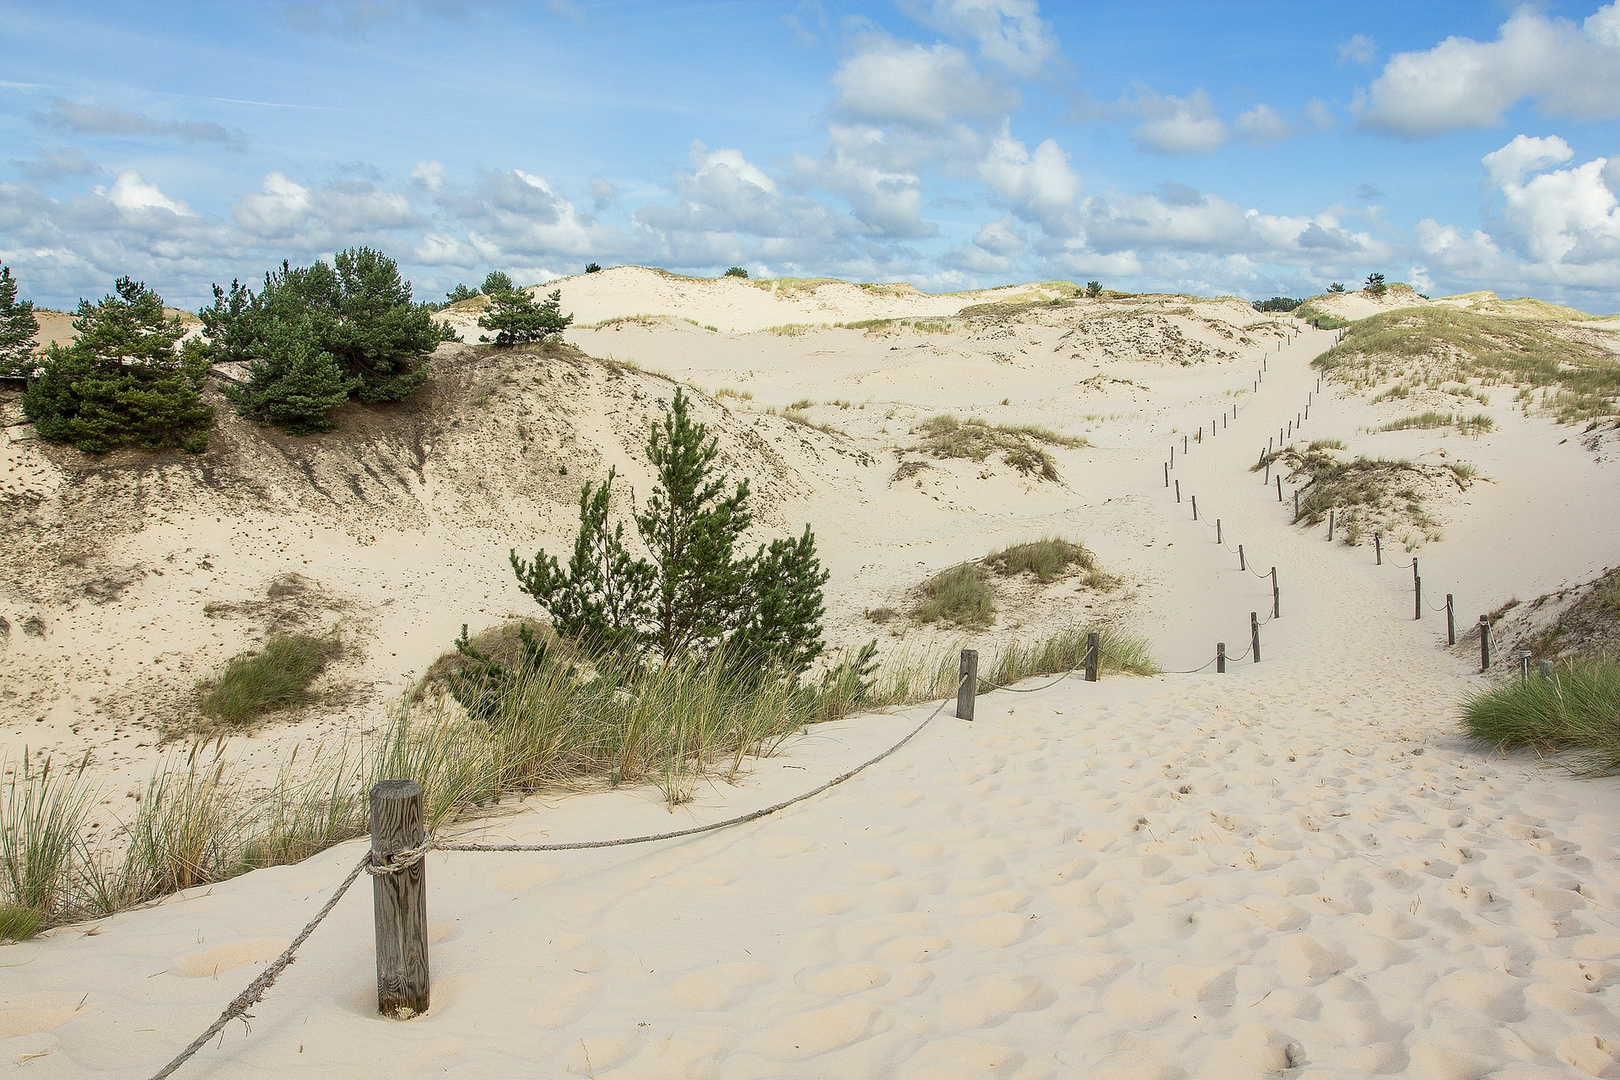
(256, 989)
(1398, 566)
(1191, 671)
(408, 857)
(1433, 607)
(1036, 689)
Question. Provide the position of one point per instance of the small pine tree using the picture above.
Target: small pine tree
(122, 381)
(735, 271)
(19, 330)
(518, 320)
(1093, 289)
(593, 268)
(460, 293)
(497, 282)
(780, 617)
(1336, 287)
(293, 383)
(1375, 284)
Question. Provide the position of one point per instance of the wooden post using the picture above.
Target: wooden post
(1484, 643)
(1378, 546)
(1268, 445)
(1243, 564)
(1184, 443)
(1093, 651)
(1330, 525)
(1195, 507)
(1290, 429)
(1414, 569)
(1178, 489)
(1296, 504)
(1254, 634)
(1276, 596)
(1220, 658)
(1279, 487)
(1172, 455)
(1167, 474)
(1267, 478)
(1417, 598)
(1546, 667)
(969, 689)
(1451, 621)
(1218, 531)
(399, 901)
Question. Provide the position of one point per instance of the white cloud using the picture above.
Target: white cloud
(860, 165)
(1041, 187)
(1176, 125)
(430, 174)
(604, 193)
(130, 193)
(1357, 49)
(1008, 32)
(1523, 155)
(1261, 124)
(105, 118)
(1567, 70)
(926, 85)
(318, 219)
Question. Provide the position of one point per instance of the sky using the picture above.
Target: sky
(1243, 148)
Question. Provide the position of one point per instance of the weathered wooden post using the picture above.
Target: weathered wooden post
(1296, 504)
(1184, 444)
(399, 900)
(1195, 507)
(1451, 621)
(1178, 489)
(1220, 658)
(1218, 539)
(1417, 598)
(1093, 655)
(1254, 634)
(1546, 667)
(969, 688)
(1172, 455)
(1378, 547)
(1330, 525)
(1414, 569)
(1167, 474)
(1243, 563)
(1279, 487)
(1290, 429)
(1484, 643)
(1276, 596)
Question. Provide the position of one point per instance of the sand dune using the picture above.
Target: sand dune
(1295, 868)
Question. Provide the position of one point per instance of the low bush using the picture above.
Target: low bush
(1477, 424)
(1020, 446)
(960, 596)
(275, 677)
(1577, 708)
(735, 271)
(1049, 558)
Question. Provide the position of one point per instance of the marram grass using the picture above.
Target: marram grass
(1576, 709)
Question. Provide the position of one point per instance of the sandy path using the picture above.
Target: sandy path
(1296, 864)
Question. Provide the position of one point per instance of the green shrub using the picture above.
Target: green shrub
(1466, 425)
(593, 268)
(18, 923)
(735, 271)
(1277, 303)
(41, 813)
(945, 436)
(1048, 559)
(275, 677)
(122, 381)
(960, 595)
(1578, 708)
(460, 293)
(518, 320)
(1094, 289)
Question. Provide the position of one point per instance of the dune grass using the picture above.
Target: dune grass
(1020, 446)
(1577, 708)
(42, 813)
(959, 595)
(1376, 493)
(1048, 559)
(1577, 377)
(275, 677)
(1478, 424)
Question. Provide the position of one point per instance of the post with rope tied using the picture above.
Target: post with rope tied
(1276, 596)
(1484, 643)
(1451, 621)
(1093, 648)
(1254, 634)
(399, 900)
(1220, 658)
(968, 672)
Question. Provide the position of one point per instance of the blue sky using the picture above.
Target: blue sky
(1237, 147)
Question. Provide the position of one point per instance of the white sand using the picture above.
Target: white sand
(1295, 865)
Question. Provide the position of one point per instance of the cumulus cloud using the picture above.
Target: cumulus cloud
(1041, 186)
(130, 193)
(1567, 70)
(1008, 32)
(1262, 124)
(860, 165)
(927, 85)
(1178, 125)
(319, 218)
(1357, 49)
(105, 118)
(604, 192)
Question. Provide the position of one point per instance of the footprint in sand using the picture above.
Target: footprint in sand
(998, 931)
(992, 1001)
(829, 903)
(841, 979)
(819, 1032)
(949, 1059)
(717, 987)
(34, 1013)
(210, 962)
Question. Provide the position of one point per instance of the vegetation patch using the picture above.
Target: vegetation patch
(1367, 494)
(1020, 446)
(1049, 559)
(1583, 620)
(1324, 320)
(1565, 370)
(1576, 708)
(958, 596)
(1477, 424)
(273, 678)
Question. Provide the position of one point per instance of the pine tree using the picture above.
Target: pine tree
(293, 383)
(695, 594)
(122, 381)
(518, 320)
(496, 281)
(19, 330)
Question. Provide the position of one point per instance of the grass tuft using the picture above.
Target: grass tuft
(1577, 708)
(41, 813)
(276, 677)
(1478, 424)
(960, 595)
(1049, 558)
(1020, 446)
